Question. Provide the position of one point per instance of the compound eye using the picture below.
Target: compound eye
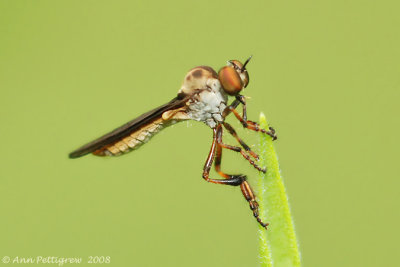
(230, 80)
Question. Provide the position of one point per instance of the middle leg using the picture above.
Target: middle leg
(243, 144)
(238, 149)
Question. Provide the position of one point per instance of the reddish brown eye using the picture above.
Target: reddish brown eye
(230, 80)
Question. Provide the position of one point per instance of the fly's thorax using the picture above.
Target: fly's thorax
(198, 78)
(209, 99)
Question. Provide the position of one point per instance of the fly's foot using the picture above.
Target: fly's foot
(250, 197)
(254, 207)
(256, 127)
(272, 133)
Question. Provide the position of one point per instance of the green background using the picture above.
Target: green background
(326, 74)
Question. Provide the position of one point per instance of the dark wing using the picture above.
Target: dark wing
(129, 127)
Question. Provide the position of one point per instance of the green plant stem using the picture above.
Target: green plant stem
(278, 244)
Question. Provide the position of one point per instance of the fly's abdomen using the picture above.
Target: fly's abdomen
(134, 140)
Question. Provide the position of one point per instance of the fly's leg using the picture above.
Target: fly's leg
(232, 106)
(250, 197)
(247, 157)
(243, 120)
(238, 149)
(243, 144)
(235, 180)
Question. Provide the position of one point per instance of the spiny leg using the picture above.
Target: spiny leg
(243, 120)
(243, 144)
(237, 149)
(244, 185)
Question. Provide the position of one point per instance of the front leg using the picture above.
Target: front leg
(243, 119)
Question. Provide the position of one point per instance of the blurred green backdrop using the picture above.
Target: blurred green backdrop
(326, 73)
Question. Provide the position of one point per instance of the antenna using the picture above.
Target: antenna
(247, 61)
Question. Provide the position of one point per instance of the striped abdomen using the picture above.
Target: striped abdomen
(132, 141)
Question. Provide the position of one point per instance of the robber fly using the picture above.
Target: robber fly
(202, 97)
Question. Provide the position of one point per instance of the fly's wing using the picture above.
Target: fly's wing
(129, 128)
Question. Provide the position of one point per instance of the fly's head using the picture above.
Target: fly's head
(234, 77)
